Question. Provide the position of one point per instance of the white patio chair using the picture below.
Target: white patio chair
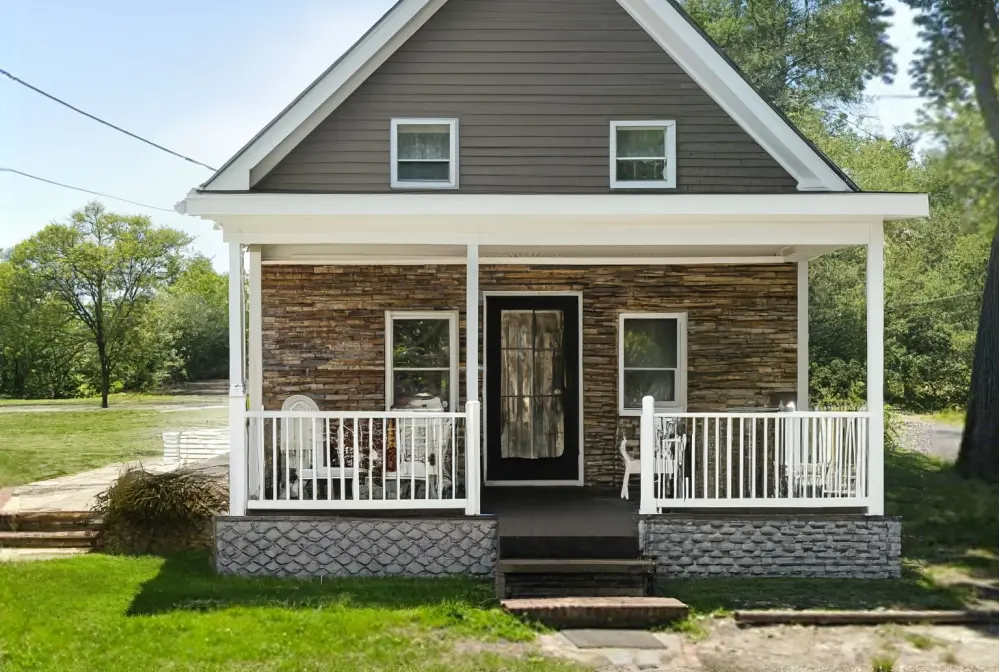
(302, 442)
(631, 466)
(422, 445)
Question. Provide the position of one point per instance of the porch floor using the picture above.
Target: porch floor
(561, 512)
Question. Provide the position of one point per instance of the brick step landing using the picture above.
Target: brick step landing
(48, 539)
(48, 521)
(598, 612)
(528, 578)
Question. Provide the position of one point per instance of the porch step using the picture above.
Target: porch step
(594, 577)
(599, 612)
(48, 539)
(596, 548)
(48, 521)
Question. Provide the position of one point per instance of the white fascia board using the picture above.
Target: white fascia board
(729, 89)
(733, 207)
(300, 118)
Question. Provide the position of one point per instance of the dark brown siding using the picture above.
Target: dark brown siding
(534, 85)
(324, 332)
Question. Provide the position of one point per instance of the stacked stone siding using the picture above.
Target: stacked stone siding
(867, 547)
(311, 547)
(324, 332)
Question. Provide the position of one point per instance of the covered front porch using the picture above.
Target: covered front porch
(730, 429)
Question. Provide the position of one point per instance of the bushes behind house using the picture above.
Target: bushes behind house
(146, 512)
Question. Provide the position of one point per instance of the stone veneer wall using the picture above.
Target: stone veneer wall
(324, 332)
(307, 547)
(848, 546)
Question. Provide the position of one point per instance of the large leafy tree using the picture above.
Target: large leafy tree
(956, 67)
(105, 268)
(802, 53)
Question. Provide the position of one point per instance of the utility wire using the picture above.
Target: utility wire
(101, 121)
(86, 191)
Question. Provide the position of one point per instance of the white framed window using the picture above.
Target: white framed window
(424, 153)
(421, 360)
(652, 361)
(643, 154)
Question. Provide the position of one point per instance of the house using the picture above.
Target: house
(499, 250)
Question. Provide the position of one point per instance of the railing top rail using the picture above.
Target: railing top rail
(770, 414)
(350, 415)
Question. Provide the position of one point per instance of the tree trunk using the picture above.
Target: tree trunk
(979, 453)
(102, 354)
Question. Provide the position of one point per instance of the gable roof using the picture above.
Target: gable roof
(672, 29)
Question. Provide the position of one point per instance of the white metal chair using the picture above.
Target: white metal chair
(422, 445)
(631, 466)
(306, 436)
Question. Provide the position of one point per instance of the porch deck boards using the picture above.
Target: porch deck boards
(560, 512)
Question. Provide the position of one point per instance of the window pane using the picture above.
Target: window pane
(650, 343)
(660, 385)
(641, 142)
(421, 343)
(631, 170)
(426, 390)
(424, 142)
(425, 171)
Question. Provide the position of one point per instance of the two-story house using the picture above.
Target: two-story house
(504, 253)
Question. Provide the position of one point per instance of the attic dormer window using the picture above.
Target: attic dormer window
(643, 154)
(424, 153)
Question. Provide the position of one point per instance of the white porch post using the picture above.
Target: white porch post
(256, 373)
(876, 367)
(474, 446)
(802, 401)
(237, 400)
(646, 448)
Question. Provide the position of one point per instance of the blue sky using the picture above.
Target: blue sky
(198, 77)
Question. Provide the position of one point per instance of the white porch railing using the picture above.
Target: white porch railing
(755, 460)
(392, 460)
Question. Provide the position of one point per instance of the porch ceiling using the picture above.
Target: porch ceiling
(537, 254)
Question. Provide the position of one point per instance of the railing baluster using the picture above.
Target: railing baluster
(399, 430)
(704, 456)
(328, 459)
(341, 458)
(274, 460)
(371, 459)
(752, 460)
(355, 482)
(427, 444)
(728, 457)
(717, 452)
(315, 460)
(260, 459)
(766, 456)
(454, 458)
(693, 461)
(301, 455)
(742, 457)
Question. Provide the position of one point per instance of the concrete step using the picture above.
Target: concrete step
(575, 566)
(598, 612)
(48, 521)
(48, 539)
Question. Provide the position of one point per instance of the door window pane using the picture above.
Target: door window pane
(532, 382)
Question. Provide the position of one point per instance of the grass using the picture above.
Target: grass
(116, 400)
(952, 417)
(950, 544)
(117, 613)
(39, 445)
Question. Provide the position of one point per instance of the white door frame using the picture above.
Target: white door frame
(485, 376)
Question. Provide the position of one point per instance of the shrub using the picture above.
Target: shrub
(146, 512)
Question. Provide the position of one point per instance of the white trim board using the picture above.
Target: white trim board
(659, 18)
(485, 374)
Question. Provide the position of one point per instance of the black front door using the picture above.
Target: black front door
(532, 388)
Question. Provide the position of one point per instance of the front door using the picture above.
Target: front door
(532, 389)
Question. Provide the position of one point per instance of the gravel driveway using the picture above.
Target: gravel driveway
(930, 438)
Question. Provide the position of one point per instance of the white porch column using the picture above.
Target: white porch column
(473, 471)
(237, 399)
(647, 456)
(256, 372)
(802, 401)
(876, 367)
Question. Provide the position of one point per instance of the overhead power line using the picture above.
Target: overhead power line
(101, 121)
(86, 191)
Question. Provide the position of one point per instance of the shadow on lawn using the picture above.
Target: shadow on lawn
(188, 582)
(950, 533)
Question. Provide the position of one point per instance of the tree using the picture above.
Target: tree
(802, 53)
(956, 67)
(105, 268)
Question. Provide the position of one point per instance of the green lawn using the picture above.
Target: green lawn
(38, 445)
(131, 614)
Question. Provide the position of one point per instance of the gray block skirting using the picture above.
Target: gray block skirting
(309, 547)
(845, 546)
